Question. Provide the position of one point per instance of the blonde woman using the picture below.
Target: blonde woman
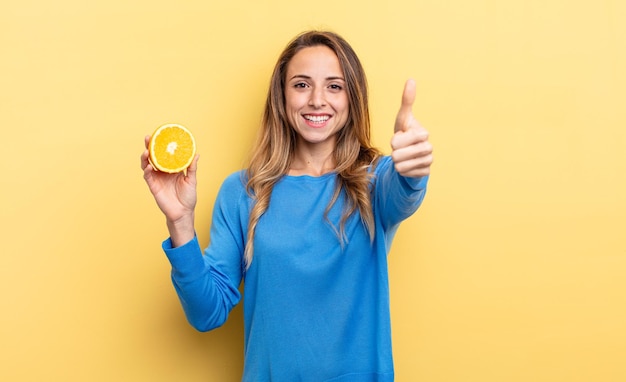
(307, 226)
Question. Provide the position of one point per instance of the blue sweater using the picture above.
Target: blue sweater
(314, 310)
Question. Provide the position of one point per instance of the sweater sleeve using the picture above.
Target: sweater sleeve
(396, 197)
(207, 284)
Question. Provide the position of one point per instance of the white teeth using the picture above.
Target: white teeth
(316, 118)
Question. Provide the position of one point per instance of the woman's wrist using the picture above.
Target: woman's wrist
(181, 230)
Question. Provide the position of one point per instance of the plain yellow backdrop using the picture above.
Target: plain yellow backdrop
(513, 270)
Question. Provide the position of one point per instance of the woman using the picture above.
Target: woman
(307, 226)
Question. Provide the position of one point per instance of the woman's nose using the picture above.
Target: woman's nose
(317, 98)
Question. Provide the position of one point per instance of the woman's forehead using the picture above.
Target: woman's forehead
(316, 61)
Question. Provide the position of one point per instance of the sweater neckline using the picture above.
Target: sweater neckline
(313, 178)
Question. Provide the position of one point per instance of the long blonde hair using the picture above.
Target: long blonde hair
(272, 154)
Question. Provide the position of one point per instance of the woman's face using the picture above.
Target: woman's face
(316, 101)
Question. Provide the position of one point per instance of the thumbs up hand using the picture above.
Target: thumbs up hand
(411, 150)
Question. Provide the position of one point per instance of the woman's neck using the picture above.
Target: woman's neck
(312, 161)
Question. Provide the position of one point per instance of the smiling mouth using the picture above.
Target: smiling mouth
(316, 119)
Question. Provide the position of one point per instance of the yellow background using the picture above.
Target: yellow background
(513, 270)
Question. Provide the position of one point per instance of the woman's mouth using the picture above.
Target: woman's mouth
(316, 120)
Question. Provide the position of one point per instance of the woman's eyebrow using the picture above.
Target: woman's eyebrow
(304, 76)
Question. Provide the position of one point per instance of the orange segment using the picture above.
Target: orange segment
(172, 148)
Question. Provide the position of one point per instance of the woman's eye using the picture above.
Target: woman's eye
(300, 85)
(335, 87)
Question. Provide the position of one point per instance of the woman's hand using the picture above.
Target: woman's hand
(412, 153)
(175, 195)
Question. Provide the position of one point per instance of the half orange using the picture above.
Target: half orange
(172, 148)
